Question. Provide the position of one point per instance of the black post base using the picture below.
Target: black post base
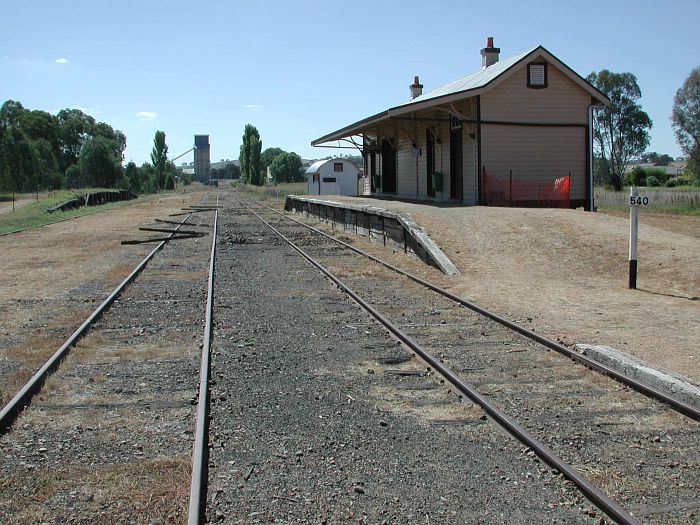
(633, 275)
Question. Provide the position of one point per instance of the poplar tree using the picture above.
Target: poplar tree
(159, 157)
(249, 157)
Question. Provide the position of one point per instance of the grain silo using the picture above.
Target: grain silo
(202, 160)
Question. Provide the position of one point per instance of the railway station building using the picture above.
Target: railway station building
(517, 132)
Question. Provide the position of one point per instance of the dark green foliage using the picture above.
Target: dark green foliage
(228, 171)
(267, 156)
(73, 177)
(621, 130)
(47, 174)
(186, 179)
(18, 160)
(639, 175)
(657, 159)
(286, 167)
(99, 164)
(673, 182)
(249, 157)
(75, 128)
(169, 182)
(686, 121)
(636, 177)
(137, 178)
(653, 181)
(159, 158)
(58, 142)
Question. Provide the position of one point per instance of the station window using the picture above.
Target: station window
(328, 179)
(337, 167)
(537, 75)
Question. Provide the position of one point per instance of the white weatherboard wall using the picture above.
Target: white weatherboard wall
(323, 179)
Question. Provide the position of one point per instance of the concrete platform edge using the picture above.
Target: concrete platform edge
(412, 228)
(674, 384)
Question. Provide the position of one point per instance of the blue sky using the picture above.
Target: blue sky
(300, 69)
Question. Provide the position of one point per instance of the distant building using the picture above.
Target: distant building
(332, 177)
(202, 162)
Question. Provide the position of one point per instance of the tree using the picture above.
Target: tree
(686, 120)
(136, 178)
(18, 162)
(74, 130)
(99, 163)
(11, 112)
(621, 130)
(267, 156)
(46, 174)
(159, 156)
(286, 168)
(250, 156)
(657, 159)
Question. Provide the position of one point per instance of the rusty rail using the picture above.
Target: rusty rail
(593, 493)
(680, 406)
(10, 411)
(198, 484)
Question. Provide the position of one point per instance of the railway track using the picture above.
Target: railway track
(127, 432)
(640, 452)
(108, 437)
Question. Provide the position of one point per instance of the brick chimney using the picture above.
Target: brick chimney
(416, 88)
(489, 55)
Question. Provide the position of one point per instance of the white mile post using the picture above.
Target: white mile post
(634, 226)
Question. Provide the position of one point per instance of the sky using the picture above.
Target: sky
(300, 69)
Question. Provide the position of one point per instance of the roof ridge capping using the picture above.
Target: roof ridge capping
(483, 78)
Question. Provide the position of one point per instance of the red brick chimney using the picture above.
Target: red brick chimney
(489, 55)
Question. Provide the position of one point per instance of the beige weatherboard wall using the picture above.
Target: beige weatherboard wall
(525, 117)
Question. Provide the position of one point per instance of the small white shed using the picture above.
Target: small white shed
(332, 177)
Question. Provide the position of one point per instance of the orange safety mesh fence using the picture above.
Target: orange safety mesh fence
(522, 192)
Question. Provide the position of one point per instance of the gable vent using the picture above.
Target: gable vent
(537, 75)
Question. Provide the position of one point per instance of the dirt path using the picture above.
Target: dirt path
(563, 273)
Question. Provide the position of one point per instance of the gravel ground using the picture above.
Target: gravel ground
(564, 274)
(74, 265)
(643, 454)
(108, 440)
(319, 417)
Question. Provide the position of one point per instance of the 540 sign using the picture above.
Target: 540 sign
(638, 200)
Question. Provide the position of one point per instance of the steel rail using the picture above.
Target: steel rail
(13, 408)
(678, 405)
(198, 484)
(593, 493)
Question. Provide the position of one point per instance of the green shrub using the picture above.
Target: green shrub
(659, 173)
(652, 181)
(672, 182)
(169, 183)
(636, 177)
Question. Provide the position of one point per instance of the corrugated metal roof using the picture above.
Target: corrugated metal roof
(474, 81)
(316, 166)
(471, 84)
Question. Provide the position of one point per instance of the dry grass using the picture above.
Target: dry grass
(140, 492)
(609, 481)
(30, 357)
